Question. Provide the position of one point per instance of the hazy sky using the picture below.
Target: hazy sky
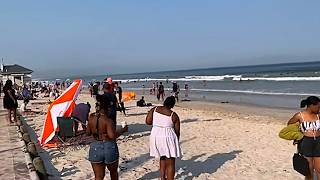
(104, 36)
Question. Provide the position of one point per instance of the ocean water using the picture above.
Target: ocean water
(276, 85)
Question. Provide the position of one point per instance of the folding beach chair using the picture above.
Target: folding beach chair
(66, 133)
(65, 128)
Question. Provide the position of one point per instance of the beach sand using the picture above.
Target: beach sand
(219, 141)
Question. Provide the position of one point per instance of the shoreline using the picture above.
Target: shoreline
(260, 100)
(243, 108)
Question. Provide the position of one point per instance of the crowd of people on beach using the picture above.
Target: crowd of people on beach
(159, 90)
(303, 127)
(101, 125)
(26, 92)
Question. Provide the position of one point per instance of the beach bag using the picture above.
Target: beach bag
(300, 164)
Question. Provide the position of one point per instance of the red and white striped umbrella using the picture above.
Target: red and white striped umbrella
(61, 107)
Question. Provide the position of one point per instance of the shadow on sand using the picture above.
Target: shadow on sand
(137, 114)
(128, 165)
(68, 171)
(195, 120)
(193, 168)
(138, 128)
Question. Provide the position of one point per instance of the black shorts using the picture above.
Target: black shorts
(310, 146)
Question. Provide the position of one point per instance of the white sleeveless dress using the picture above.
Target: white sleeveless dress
(163, 139)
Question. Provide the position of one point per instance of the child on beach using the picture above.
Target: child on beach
(309, 122)
(164, 138)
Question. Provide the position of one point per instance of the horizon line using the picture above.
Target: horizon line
(181, 70)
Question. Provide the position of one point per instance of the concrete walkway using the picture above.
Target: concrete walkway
(12, 158)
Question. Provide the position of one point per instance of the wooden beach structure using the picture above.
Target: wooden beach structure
(19, 75)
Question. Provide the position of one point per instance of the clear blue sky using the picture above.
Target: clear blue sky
(104, 36)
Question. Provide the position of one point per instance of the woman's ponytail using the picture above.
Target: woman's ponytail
(303, 103)
(310, 100)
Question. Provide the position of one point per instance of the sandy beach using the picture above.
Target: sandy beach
(241, 70)
(219, 141)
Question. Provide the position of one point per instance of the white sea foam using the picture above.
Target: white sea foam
(256, 92)
(242, 92)
(223, 78)
(186, 78)
(276, 78)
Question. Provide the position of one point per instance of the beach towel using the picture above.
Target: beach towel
(291, 132)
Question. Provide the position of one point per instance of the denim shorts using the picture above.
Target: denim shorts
(103, 152)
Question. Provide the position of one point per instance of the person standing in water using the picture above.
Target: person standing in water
(186, 90)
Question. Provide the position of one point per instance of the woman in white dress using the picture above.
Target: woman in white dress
(164, 138)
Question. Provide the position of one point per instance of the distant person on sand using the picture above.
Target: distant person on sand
(112, 100)
(164, 138)
(90, 89)
(26, 96)
(118, 93)
(310, 126)
(10, 101)
(160, 92)
(153, 88)
(81, 114)
(175, 90)
(143, 89)
(95, 89)
(110, 82)
(104, 151)
(142, 103)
